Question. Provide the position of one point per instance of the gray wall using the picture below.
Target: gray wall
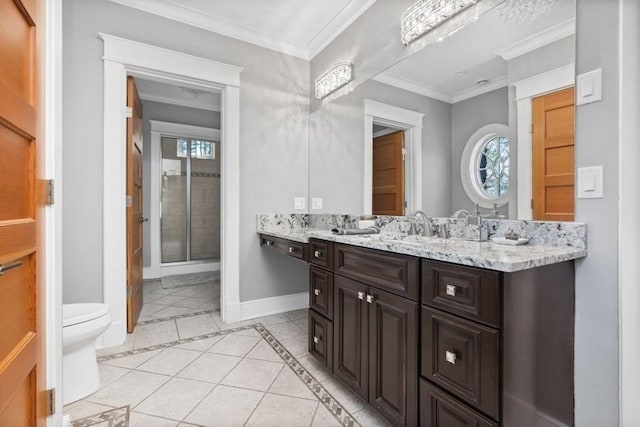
(165, 113)
(467, 117)
(596, 341)
(336, 161)
(274, 100)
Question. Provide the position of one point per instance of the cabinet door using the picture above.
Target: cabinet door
(350, 333)
(393, 357)
(321, 291)
(321, 339)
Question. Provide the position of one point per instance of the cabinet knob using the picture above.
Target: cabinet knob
(316, 254)
(316, 340)
(370, 298)
(450, 357)
(451, 290)
(316, 292)
(291, 250)
(360, 295)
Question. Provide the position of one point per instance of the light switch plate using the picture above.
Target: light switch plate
(589, 87)
(316, 203)
(590, 182)
(299, 203)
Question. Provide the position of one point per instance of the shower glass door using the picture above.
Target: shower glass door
(190, 222)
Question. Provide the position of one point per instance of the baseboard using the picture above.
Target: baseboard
(274, 305)
(149, 273)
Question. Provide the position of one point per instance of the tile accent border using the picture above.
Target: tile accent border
(118, 417)
(325, 398)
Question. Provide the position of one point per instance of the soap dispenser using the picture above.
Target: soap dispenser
(476, 230)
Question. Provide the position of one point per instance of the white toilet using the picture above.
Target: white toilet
(81, 325)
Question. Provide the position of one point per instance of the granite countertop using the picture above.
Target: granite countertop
(487, 255)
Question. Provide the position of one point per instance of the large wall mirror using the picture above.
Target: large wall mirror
(485, 116)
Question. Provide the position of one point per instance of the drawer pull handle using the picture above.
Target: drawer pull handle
(316, 254)
(360, 295)
(316, 340)
(450, 357)
(269, 243)
(451, 290)
(317, 292)
(291, 250)
(6, 267)
(370, 298)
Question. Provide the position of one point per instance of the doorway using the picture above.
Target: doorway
(388, 190)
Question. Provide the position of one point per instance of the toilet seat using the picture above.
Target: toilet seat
(73, 314)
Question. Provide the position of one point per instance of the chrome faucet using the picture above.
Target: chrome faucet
(427, 230)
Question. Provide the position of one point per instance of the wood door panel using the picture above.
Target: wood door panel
(559, 122)
(351, 355)
(393, 357)
(16, 175)
(388, 175)
(16, 112)
(17, 47)
(560, 199)
(15, 323)
(559, 160)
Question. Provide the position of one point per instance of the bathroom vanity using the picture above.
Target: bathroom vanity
(446, 332)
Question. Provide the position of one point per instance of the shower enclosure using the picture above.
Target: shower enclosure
(190, 214)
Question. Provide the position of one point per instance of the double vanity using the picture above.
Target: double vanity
(444, 332)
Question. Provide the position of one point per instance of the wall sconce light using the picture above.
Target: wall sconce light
(425, 15)
(333, 79)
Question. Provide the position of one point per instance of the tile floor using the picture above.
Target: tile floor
(194, 369)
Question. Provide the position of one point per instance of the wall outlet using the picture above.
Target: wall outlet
(299, 203)
(316, 203)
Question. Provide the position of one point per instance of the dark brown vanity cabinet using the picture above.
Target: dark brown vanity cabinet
(287, 247)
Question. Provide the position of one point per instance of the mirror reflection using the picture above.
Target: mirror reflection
(484, 117)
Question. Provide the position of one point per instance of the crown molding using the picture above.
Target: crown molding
(412, 86)
(181, 102)
(536, 41)
(170, 10)
(336, 26)
(497, 83)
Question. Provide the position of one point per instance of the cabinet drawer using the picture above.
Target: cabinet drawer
(391, 272)
(321, 253)
(321, 339)
(463, 358)
(321, 291)
(290, 248)
(437, 409)
(468, 292)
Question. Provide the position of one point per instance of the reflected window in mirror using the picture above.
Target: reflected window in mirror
(485, 165)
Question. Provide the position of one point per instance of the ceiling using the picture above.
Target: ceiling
(481, 53)
(287, 26)
(185, 96)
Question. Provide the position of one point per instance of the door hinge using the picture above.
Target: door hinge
(50, 397)
(49, 192)
(129, 201)
(531, 203)
(129, 112)
(531, 128)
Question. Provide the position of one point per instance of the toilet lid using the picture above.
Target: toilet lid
(72, 314)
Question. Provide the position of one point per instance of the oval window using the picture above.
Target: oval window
(485, 166)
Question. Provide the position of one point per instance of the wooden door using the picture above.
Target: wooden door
(393, 357)
(553, 154)
(134, 205)
(388, 174)
(22, 369)
(350, 334)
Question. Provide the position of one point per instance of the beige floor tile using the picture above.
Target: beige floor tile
(155, 333)
(351, 401)
(175, 399)
(192, 302)
(274, 319)
(189, 291)
(287, 330)
(303, 323)
(324, 418)
(298, 314)
(234, 345)
(109, 374)
(169, 312)
(131, 389)
(296, 346)
(148, 308)
(263, 351)
(225, 406)
(196, 325)
(288, 384)
(370, 418)
(315, 368)
(281, 411)
(251, 332)
(131, 362)
(200, 345)
(169, 300)
(169, 362)
(137, 419)
(83, 409)
(253, 374)
(210, 367)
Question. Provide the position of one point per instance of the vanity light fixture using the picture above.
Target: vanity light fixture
(333, 79)
(426, 15)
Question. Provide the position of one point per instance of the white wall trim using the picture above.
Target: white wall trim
(274, 305)
(536, 41)
(412, 86)
(472, 92)
(628, 207)
(125, 57)
(527, 89)
(177, 101)
(400, 118)
(158, 130)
